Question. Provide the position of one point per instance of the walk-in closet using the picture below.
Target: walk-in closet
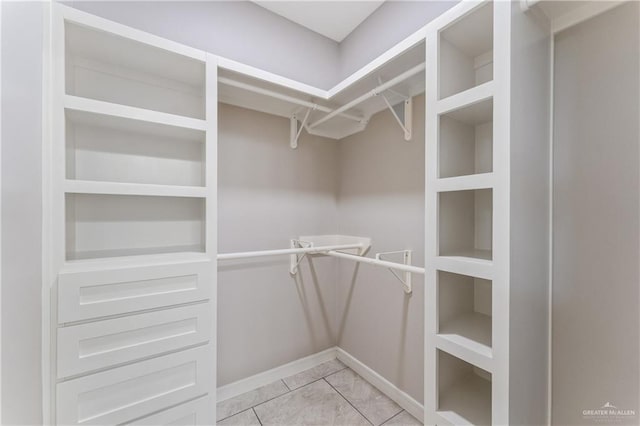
(320, 213)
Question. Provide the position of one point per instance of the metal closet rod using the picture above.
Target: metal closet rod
(377, 262)
(283, 97)
(326, 250)
(330, 113)
(375, 92)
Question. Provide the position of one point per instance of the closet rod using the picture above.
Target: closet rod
(282, 97)
(263, 253)
(375, 92)
(377, 262)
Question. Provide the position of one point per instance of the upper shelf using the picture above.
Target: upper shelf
(356, 102)
(564, 14)
(107, 67)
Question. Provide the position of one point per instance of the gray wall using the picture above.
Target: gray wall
(21, 211)
(238, 30)
(381, 196)
(596, 217)
(388, 25)
(267, 195)
(529, 220)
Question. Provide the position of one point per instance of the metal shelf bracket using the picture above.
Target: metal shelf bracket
(295, 130)
(405, 277)
(295, 259)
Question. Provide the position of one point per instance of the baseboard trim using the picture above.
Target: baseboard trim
(261, 379)
(400, 397)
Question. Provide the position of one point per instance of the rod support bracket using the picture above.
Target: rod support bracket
(295, 131)
(403, 277)
(295, 259)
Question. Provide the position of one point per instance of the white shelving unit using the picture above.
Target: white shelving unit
(132, 251)
(131, 208)
(485, 160)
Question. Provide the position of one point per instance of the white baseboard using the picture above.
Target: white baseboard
(400, 397)
(261, 379)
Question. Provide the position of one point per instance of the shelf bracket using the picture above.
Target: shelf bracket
(405, 277)
(404, 109)
(295, 131)
(295, 259)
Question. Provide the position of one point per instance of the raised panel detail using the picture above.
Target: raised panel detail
(192, 413)
(96, 345)
(104, 292)
(127, 393)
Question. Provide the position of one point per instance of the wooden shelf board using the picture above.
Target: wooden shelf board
(136, 261)
(464, 265)
(471, 330)
(467, 402)
(112, 255)
(472, 106)
(87, 105)
(465, 183)
(118, 188)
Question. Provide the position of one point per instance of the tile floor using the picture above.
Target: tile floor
(329, 394)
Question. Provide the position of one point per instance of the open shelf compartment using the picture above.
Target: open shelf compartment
(107, 67)
(464, 309)
(466, 140)
(464, 392)
(466, 52)
(101, 226)
(465, 224)
(113, 149)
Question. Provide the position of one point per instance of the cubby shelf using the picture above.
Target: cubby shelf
(468, 402)
(465, 183)
(472, 330)
(464, 99)
(473, 266)
(472, 352)
(134, 113)
(138, 261)
(464, 392)
(118, 188)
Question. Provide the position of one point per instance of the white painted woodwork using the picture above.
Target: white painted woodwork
(109, 67)
(192, 413)
(126, 393)
(133, 236)
(101, 344)
(111, 290)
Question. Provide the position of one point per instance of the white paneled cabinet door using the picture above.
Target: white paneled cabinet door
(132, 238)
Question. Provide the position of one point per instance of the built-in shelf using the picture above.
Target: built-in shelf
(137, 261)
(471, 266)
(465, 309)
(465, 224)
(89, 105)
(466, 183)
(464, 392)
(465, 144)
(99, 226)
(117, 188)
(466, 98)
(107, 67)
(466, 52)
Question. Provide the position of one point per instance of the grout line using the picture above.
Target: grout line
(235, 414)
(348, 402)
(256, 414)
(255, 405)
(393, 417)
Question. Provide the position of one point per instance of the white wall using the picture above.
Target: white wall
(21, 211)
(596, 217)
(267, 195)
(381, 196)
(238, 30)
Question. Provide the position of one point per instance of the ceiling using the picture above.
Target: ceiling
(332, 19)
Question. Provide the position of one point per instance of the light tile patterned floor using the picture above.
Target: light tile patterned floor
(329, 394)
